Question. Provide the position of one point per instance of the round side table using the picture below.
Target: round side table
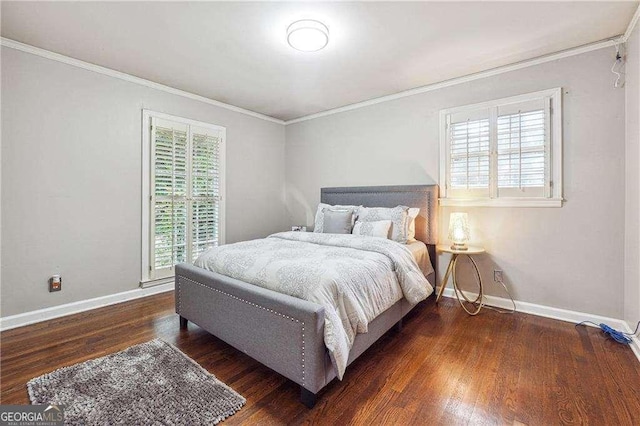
(451, 271)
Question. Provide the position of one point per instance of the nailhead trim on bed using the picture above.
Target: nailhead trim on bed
(249, 303)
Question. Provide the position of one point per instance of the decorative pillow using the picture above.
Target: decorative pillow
(411, 224)
(319, 221)
(397, 215)
(337, 221)
(379, 228)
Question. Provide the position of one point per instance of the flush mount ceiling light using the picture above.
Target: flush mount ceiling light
(308, 35)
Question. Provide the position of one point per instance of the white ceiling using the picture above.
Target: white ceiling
(237, 52)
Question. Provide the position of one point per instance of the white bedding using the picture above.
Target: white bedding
(354, 278)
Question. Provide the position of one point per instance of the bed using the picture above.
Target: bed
(286, 333)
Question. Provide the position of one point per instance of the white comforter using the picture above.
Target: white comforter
(354, 278)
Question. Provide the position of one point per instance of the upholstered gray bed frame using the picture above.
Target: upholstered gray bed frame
(286, 333)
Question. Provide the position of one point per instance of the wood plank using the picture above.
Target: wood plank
(444, 367)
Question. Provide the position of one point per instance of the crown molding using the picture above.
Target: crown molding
(406, 93)
(467, 78)
(631, 26)
(12, 44)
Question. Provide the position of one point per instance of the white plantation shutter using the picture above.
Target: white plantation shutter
(205, 190)
(186, 192)
(169, 196)
(509, 149)
(523, 149)
(469, 154)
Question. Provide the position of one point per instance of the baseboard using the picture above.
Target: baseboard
(27, 318)
(554, 313)
(635, 342)
(20, 320)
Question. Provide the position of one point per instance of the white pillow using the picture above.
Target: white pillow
(319, 221)
(379, 228)
(411, 224)
(397, 215)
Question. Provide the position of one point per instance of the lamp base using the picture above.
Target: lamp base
(460, 247)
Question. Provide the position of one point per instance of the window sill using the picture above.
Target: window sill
(146, 283)
(501, 202)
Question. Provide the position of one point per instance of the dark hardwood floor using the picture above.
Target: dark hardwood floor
(444, 367)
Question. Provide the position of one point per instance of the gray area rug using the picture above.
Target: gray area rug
(151, 383)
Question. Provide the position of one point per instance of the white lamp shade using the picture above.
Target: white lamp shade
(459, 229)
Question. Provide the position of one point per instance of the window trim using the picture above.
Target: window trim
(554, 200)
(146, 278)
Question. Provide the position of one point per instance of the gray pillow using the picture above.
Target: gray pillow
(320, 214)
(337, 221)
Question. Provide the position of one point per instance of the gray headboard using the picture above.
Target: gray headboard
(424, 197)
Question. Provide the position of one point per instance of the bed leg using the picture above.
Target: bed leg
(183, 323)
(399, 326)
(307, 397)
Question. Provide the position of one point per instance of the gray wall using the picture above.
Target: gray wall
(569, 257)
(632, 219)
(71, 179)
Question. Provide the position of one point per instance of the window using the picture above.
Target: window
(183, 186)
(506, 152)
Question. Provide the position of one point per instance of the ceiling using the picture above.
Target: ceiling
(237, 53)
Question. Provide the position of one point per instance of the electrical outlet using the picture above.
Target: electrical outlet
(55, 283)
(497, 275)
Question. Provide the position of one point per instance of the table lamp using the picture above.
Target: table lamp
(459, 230)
